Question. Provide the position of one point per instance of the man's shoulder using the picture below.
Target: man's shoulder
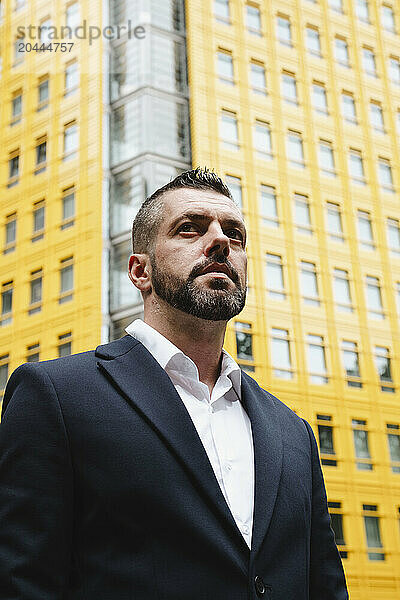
(75, 365)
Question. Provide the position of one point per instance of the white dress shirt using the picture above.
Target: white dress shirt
(220, 420)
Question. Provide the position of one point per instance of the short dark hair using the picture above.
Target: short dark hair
(149, 217)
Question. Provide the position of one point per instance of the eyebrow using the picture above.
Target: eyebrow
(201, 217)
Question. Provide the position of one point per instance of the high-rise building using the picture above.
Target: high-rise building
(296, 104)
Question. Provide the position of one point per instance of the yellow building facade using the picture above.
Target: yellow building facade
(50, 185)
(297, 103)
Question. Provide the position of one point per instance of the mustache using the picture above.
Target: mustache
(221, 260)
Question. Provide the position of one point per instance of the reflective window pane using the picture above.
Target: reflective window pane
(122, 293)
(268, 206)
(280, 353)
(244, 343)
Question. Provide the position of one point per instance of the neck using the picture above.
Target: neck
(199, 339)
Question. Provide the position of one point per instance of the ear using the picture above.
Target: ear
(140, 272)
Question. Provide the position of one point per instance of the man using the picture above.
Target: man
(153, 467)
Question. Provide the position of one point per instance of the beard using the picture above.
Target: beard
(215, 303)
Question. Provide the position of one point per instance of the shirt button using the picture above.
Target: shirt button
(260, 586)
(228, 466)
(246, 530)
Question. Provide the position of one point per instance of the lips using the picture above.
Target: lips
(217, 268)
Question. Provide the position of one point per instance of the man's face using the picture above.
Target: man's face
(199, 262)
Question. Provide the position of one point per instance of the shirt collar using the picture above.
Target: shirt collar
(164, 351)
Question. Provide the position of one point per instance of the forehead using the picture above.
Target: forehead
(206, 202)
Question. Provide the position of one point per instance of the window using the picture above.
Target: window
(3, 371)
(356, 167)
(372, 532)
(268, 206)
(66, 280)
(335, 512)
(385, 175)
(349, 108)
(221, 11)
(336, 5)
(289, 88)
(374, 298)
(253, 19)
(316, 359)
(387, 18)
(13, 168)
(41, 155)
(225, 66)
(10, 233)
(376, 116)
(262, 140)
(38, 221)
(257, 78)
(309, 283)
(70, 140)
(274, 277)
(235, 186)
(280, 353)
(394, 69)
(362, 10)
(19, 53)
(16, 107)
(122, 292)
(68, 207)
(44, 31)
(72, 15)
(43, 92)
(244, 341)
(341, 290)
(342, 52)
(325, 436)
(313, 42)
(393, 436)
(295, 152)
(6, 303)
(393, 234)
(33, 353)
(334, 223)
(351, 363)
(229, 130)
(369, 62)
(383, 367)
(326, 160)
(65, 344)
(319, 98)
(365, 233)
(361, 446)
(36, 292)
(302, 216)
(284, 32)
(71, 77)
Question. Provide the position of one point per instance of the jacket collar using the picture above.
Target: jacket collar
(138, 377)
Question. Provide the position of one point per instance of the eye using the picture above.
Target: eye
(187, 227)
(235, 234)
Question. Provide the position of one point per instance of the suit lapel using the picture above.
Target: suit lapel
(135, 373)
(267, 441)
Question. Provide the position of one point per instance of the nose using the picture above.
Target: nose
(216, 241)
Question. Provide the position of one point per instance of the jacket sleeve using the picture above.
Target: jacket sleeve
(36, 494)
(327, 578)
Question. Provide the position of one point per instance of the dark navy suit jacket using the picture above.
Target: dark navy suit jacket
(106, 492)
